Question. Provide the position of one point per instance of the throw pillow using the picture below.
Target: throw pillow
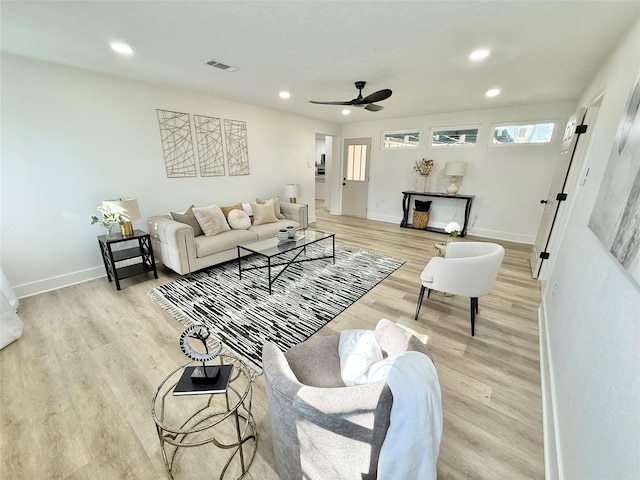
(422, 206)
(228, 208)
(247, 209)
(263, 213)
(238, 220)
(190, 219)
(276, 206)
(211, 219)
(358, 351)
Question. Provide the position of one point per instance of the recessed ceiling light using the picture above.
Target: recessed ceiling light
(494, 92)
(478, 55)
(121, 48)
(284, 95)
(346, 111)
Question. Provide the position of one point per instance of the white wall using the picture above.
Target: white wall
(508, 181)
(71, 138)
(591, 314)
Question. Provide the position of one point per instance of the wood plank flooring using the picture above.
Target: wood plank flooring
(76, 389)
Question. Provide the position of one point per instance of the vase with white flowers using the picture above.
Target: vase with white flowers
(423, 168)
(109, 220)
(453, 229)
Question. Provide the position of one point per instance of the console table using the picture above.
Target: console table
(112, 257)
(406, 207)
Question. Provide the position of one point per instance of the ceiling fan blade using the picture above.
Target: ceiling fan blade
(377, 96)
(373, 108)
(331, 103)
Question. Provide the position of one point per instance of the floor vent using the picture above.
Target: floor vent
(220, 65)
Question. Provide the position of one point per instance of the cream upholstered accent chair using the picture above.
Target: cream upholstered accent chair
(320, 428)
(468, 268)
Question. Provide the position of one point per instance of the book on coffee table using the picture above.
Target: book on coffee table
(186, 386)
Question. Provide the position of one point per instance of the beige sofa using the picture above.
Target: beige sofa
(176, 246)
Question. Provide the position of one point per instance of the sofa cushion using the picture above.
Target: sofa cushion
(276, 206)
(190, 219)
(270, 229)
(263, 214)
(228, 208)
(229, 240)
(211, 219)
(238, 220)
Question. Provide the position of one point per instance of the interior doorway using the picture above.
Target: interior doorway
(355, 176)
(563, 185)
(556, 195)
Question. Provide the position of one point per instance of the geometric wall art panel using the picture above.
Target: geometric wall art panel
(235, 136)
(209, 141)
(177, 146)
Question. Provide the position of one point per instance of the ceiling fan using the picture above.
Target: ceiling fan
(364, 102)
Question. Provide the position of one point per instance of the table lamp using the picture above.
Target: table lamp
(455, 170)
(292, 190)
(129, 210)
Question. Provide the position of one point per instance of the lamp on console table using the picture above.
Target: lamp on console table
(455, 170)
(129, 210)
(292, 191)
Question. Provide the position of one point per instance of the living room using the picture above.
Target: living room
(72, 137)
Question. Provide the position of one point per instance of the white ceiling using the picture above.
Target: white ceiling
(542, 51)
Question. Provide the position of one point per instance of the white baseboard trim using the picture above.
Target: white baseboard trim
(478, 232)
(498, 235)
(61, 281)
(552, 465)
(386, 218)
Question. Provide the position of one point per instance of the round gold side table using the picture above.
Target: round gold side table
(441, 249)
(222, 420)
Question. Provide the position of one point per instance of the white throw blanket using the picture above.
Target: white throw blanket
(412, 443)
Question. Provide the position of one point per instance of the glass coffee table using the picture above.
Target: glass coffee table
(278, 253)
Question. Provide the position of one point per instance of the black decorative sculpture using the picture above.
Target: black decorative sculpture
(203, 374)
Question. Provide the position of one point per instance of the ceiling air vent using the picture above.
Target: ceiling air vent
(220, 65)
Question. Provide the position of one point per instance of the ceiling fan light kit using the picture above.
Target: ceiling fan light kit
(362, 102)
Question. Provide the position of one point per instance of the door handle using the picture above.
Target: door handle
(343, 183)
(543, 201)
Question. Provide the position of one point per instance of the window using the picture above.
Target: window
(401, 139)
(454, 136)
(356, 163)
(510, 134)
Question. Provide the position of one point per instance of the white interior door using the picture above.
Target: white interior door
(554, 199)
(355, 176)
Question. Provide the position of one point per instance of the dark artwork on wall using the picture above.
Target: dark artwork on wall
(615, 218)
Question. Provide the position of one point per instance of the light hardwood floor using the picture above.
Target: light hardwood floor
(76, 389)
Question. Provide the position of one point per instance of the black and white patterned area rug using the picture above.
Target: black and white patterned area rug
(308, 295)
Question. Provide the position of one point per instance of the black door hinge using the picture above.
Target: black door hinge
(561, 197)
(544, 255)
(581, 129)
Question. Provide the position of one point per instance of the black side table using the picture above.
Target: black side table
(111, 258)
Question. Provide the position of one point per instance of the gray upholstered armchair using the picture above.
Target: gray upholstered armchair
(322, 429)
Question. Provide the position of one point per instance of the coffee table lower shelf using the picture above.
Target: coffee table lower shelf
(271, 249)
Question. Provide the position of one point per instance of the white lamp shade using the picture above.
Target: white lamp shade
(292, 190)
(457, 169)
(127, 207)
